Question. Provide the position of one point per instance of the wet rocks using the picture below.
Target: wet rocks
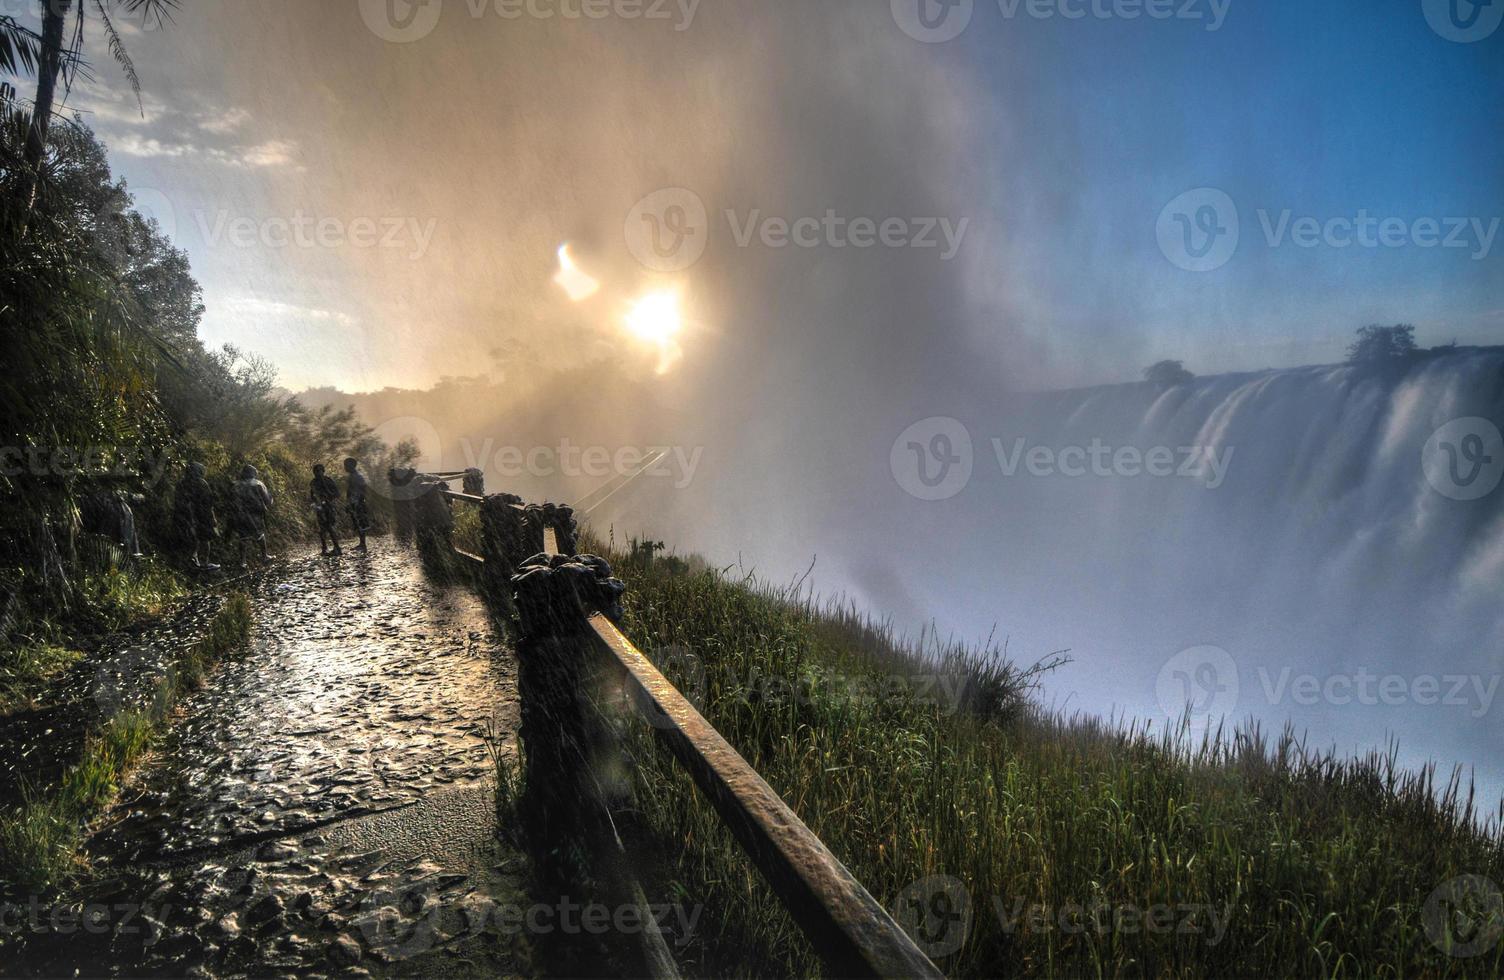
(345, 951)
(314, 726)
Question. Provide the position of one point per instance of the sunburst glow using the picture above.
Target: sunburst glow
(655, 319)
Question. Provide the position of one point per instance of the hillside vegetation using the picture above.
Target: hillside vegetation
(108, 395)
(1012, 842)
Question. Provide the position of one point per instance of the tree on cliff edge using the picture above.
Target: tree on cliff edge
(1378, 346)
(1168, 374)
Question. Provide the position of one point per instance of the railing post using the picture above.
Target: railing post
(433, 524)
(474, 482)
(502, 544)
(561, 519)
(575, 784)
(556, 517)
(564, 745)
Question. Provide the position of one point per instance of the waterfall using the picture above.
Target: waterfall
(1337, 541)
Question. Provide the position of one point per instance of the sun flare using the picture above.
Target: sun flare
(576, 282)
(655, 319)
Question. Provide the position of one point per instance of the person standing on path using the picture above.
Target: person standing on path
(355, 500)
(324, 493)
(193, 513)
(251, 501)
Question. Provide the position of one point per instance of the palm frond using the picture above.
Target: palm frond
(156, 12)
(118, 52)
(19, 47)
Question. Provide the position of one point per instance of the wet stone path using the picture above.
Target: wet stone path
(325, 804)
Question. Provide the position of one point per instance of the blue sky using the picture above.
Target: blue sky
(1326, 110)
(1059, 141)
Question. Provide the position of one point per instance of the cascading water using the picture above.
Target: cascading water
(1338, 532)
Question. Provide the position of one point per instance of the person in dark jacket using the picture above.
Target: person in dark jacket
(108, 513)
(355, 500)
(193, 512)
(250, 501)
(324, 493)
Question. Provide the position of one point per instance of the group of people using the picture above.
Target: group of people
(324, 493)
(250, 502)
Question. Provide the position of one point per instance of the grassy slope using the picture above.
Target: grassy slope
(1279, 861)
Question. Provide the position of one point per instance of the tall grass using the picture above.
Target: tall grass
(1017, 842)
(25, 669)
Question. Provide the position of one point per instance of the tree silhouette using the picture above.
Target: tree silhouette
(51, 57)
(1379, 346)
(1167, 374)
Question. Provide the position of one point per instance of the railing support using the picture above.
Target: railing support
(433, 524)
(403, 487)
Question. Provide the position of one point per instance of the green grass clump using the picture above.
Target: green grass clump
(122, 597)
(38, 843)
(25, 669)
(1039, 845)
(40, 839)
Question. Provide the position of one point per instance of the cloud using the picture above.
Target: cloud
(272, 153)
(224, 121)
(257, 308)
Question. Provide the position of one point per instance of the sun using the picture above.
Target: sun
(655, 318)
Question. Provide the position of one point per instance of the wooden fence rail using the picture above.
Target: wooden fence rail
(854, 935)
